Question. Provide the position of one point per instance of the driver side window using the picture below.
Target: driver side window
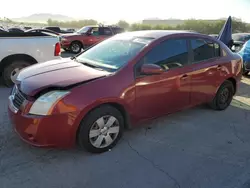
(171, 53)
(95, 31)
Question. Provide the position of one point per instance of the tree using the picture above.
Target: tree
(123, 24)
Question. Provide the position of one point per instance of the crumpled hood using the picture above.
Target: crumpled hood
(55, 73)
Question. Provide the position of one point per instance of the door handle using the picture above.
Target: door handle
(185, 76)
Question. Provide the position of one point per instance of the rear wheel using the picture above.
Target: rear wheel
(224, 96)
(66, 49)
(11, 71)
(75, 47)
(245, 73)
(101, 129)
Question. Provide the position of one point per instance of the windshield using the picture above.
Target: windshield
(113, 53)
(83, 30)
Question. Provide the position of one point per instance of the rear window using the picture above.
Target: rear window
(204, 50)
(240, 37)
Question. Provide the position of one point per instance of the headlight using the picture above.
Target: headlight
(44, 104)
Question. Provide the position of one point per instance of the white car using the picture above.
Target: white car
(19, 50)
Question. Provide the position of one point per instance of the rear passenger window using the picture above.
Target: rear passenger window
(106, 31)
(204, 50)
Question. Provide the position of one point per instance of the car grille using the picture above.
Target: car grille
(18, 97)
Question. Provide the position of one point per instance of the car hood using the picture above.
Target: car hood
(55, 73)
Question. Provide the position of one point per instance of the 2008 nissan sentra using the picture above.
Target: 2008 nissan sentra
(132, 77)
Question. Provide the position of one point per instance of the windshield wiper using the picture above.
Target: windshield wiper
(89, 65)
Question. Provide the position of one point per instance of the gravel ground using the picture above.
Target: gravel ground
(193, 148)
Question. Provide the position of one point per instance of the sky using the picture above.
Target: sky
(129, 10)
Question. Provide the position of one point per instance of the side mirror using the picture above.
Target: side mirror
(151, 69)
(88, 33)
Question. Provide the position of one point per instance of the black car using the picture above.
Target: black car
(15, 30)
(54, 28)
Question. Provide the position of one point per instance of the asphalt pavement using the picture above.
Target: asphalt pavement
(195, 148)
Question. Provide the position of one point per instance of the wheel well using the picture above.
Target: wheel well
(233, 82)
(124, 113)
(121, 109)
(5, 61)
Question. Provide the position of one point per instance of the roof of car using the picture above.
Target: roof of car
(158, 33)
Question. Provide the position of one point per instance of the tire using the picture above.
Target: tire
(245, 73)
(75, 47)
(89, 124)
(66, 49)
(218, 103)
(11, 69)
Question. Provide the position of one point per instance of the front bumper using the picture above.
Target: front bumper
(44, 131)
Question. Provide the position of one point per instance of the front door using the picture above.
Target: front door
(93, 37)
(170, 91)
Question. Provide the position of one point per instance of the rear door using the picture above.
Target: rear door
(170, 91)
(105, 32)
(206, 62)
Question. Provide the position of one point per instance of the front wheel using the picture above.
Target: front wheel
(101, 129)
(12, 70)
(224, 96)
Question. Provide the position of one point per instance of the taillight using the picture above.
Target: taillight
(57, 49)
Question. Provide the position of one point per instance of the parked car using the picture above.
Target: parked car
(57, 29)
(27, 27)
(47, 31)
(129, 78)
(239, 40)
(18, 50)
(15, 30)
(53, 28)
(87, 36)
(70, 30)
(241, 37)
(3, 30)
(245, 53)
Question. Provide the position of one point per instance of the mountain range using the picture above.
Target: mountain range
(43, 18)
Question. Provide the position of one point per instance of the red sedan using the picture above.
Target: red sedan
(129, 78)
